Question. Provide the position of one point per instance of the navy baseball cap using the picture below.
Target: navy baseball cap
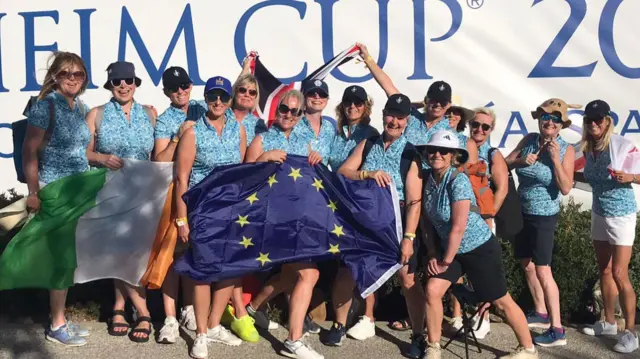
(439, 91)
(354, 92)
(315, 85)
(175, 76)
(398, 105)
(597, 109)
(218, 83)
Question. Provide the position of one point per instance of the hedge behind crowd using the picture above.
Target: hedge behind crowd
(574, 269)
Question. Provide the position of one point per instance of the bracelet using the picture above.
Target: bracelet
(181, 221)
(175, 139)
(364, 175)
(368, 58)
(410, 235)
(34, 193)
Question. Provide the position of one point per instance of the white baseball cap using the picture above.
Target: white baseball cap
(448, 139)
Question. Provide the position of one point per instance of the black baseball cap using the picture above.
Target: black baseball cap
(354, 92)
(597, 109)
(175, 76)
(439, 91)
(314, 85)
(398, 105)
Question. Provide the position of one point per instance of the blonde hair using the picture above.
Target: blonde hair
(244, 80)
(295, 94)
(59, 61)
(485, 111)
(341, 116)
(590, 144)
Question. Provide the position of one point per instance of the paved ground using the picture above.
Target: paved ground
(27, 341)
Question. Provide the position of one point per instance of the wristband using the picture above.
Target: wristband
(410, 235)
(368, 58)
(34, 193)
(181, 221)
(175, 139)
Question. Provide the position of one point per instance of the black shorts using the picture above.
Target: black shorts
(535, 240)
(483, 267)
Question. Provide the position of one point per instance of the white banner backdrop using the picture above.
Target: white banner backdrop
(510, 54)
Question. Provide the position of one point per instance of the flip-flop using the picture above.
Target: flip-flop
(112, 325)
(141, 330)
(400, 325)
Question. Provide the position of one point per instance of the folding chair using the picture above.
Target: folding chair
(467, 299)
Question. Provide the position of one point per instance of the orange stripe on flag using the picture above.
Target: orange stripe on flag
(164, 246)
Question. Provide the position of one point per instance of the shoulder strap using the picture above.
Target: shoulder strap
(490, 155)
(456, 172)
(152, 117)
(99, 115)
(52, 124)
(368, 145)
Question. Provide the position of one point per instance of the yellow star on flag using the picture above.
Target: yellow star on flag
(295, 173)
(334, 249)
(332, 205)
(242, 220)
(253, 198)
(263, 258)
(246, 242)
(337, 230)
(272, 180)
(317, 184)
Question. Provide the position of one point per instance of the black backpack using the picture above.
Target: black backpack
(508, 220)
(409, 155)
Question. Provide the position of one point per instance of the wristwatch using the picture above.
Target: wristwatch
(180, 222)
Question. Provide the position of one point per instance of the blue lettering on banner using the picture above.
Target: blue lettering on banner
(607, 45)
(10, 154)
(85, 41)
(30, 48)
(2, 88)
(517, 117)
(240, 37)
(185, 26)
(633, 115)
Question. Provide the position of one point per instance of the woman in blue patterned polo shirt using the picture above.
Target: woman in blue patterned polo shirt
(246, 97)
(123, 128)
(390, 159)
(544, 164)
(613, 223)
(468, 245)
(215, 140)
(63, 155)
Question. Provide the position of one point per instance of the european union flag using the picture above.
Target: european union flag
(251, 217)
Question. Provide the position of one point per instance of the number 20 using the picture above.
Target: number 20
(545, 66)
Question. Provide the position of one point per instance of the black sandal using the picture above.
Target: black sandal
(400, 325)
(112, 325)
(141, 330)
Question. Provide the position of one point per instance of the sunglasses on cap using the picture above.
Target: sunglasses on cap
(484, 126)
(174, 89)
(216, 94)
(550, 117)
(355, 102)
(80, 75)
(314, 94)
(284, 109)
(118, 82)
(244, 90)
(589, 120)
(442, 150)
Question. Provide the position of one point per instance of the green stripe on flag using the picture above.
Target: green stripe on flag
(43, 253)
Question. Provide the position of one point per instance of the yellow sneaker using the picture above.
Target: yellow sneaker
(228, 316)
(245, 330)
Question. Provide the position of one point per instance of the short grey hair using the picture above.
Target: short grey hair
(486, 111)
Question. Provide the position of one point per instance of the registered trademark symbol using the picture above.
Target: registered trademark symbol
(475, 4)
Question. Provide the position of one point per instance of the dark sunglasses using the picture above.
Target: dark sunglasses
(442, 150)
(439, 103)
(252, 93)
(549, 117)
(589, 120)
(319, 94)
(174, 89)
(118, 82)
(214, 95)
(80, 75)
(284, 109)
(476, 124)
(355, 102)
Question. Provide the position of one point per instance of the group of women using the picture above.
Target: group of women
(422, 154)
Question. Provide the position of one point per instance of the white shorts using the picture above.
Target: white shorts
(618, 231)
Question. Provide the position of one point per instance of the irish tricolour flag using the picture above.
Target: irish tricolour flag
(94, 225)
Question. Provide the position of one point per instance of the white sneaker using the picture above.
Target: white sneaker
(364, 329)
(601, 328)
(627, 343)
(170, 331)
(522, 353)
(433, 351)
(188, 318)
(220, 334)
(299, 350)
(484, 329)
(456, 323)
(199, 349)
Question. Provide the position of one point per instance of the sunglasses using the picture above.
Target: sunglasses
(552, 118)
(355, 102)
(80, 75)
(214, 95)
(484, 126)
(442, 150)
(589, 120)
(284, 109)
(243, 90)
(317, 94)
(174, 89)
(436, 103)
(118, 82)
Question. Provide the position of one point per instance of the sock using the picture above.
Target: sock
(216, 329)
(53, 329)
(251, 310)
(558, 330)
(544, 316)
(531, 350)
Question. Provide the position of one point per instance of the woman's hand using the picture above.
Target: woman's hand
(382, 178)
(275, 156)
(529, 159)
(364, 52)
(314, 158)
(406, 250)
(183, 232)
(554, 152)
(33, 202)
(622, 177)
(184, 127)
(111, 162)
(435, 267)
